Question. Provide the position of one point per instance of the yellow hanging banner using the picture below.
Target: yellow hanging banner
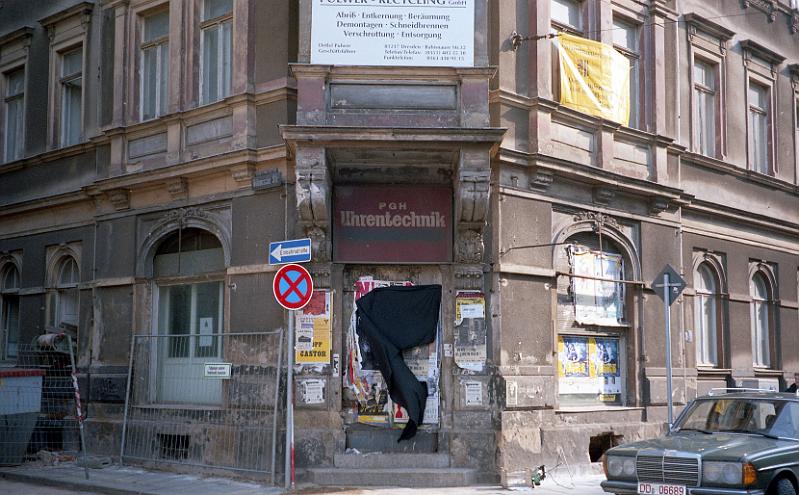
(594, 78)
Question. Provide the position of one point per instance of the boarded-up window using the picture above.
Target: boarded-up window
(597, 293)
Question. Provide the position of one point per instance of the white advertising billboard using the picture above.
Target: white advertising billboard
(432, 33)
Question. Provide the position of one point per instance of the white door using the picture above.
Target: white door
(189, 324)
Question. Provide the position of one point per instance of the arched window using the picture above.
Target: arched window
(9, 311)
(63, 305)
(593, 319)
(707, 316)
(761, 313)
(189, 273)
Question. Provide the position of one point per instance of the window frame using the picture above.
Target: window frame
(7, 295)
(68, 30)
(205, 25)
(715, 94)
(7, 100)
(708, 41)
(637, 101)
(569, 28)
(761, 67)
(767, 272)
(711, 264)
(64, 80)
(162, 44)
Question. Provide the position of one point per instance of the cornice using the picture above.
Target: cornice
(84, 8)
(762, 52)
(24, 33)
(356, 72)
(735, 171)
(707, 26)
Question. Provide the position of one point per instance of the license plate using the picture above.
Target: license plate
(660, 489)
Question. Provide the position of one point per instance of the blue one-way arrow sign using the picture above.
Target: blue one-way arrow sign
(294, 251)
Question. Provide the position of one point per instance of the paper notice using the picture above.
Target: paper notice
(473, 393)
(313, 391)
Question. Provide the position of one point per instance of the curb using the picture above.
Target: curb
(81, 486)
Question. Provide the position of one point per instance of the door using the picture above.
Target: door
(189, 324)
(377, 423)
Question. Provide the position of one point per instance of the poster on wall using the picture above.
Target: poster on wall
(436, 33)
(596, 302)
(371, 393)
(312, 338)
(590, 366)
(470, 330)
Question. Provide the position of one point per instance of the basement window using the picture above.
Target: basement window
(173, 447)
(601, 443)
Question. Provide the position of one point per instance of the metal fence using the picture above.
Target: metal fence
(209, 400)
(40, 413)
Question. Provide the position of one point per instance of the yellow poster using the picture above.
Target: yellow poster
(312, 336)
(594, 78)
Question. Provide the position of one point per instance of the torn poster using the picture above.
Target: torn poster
(470, 330)
(312, 391)
(596, 302)
(313, 334)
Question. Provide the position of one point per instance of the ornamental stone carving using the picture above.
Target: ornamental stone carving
(469, 246)
(313, 192)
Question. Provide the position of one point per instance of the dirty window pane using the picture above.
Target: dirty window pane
(216, 8)
(149, 82)
(71, 106)
(10, 325)
(156, 26)
(210, 81)
(178, 319)
(69, 272)
(567, 12)
(10, 278)
(71, 62)
(208, 299)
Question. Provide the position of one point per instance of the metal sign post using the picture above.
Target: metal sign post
(293, 289)
(673, 284)
(290, 407)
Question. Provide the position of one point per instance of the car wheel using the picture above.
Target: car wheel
(782, 486)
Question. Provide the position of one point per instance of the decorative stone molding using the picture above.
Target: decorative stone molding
(752, 49)
(696, 24)
(469, 246)
(793, 69)
(472, 197)
(120, 199)
(243, 173)
(320, 246)
(468, 277)
(178, 188)
(313, 191)
(793, 22)
(542, 180)
(766, 6)
(598, 219)
(603, 195)
(55, 255)
(216, 222)
(658, 205)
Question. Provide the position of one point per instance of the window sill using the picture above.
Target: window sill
(711, 371)
(597, 408)
(768, 372)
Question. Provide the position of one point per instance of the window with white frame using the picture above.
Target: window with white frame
(14, 127)
(761, 320)
(759, 127)
(216, 44)
(154, 59)
(63, 300)
(567, 15)
(706, 316)
(626, 40)
(71, 87)
(9, 311)
(706, 107)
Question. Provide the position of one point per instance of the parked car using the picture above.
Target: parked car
(731, 442)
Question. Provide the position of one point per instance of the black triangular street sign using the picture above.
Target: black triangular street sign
(676, 284)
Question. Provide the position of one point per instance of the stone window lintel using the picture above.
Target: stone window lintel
(83, 8)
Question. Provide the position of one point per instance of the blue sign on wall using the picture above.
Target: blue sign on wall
(293, 251)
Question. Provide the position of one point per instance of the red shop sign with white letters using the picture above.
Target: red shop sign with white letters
(392, 224)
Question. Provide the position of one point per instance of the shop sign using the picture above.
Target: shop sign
(392, 224)
(431, 33)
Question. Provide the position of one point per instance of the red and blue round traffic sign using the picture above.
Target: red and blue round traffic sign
(292, 286)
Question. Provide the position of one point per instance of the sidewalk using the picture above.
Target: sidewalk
(117, 480)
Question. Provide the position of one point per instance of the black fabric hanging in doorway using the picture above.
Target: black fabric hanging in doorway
(393, 319)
